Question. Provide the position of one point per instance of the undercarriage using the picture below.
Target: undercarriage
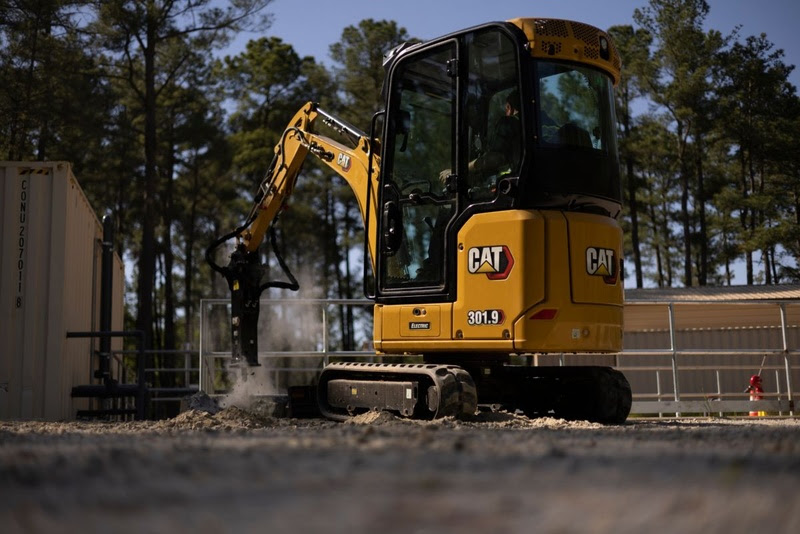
(439, 389)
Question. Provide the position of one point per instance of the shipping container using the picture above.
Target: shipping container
(50, 274)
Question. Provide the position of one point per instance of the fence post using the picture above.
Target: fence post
(786, 362)
(325, 335)
(187, 364)
(202, 385)
(106, 288)
(778, 387)
(672, 348)
(658, 389)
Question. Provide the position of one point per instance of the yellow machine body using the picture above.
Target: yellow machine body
(528, 281)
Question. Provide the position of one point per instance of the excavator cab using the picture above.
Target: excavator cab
(452, 149)
(450, 94)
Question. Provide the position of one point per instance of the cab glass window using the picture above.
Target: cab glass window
(416, 204)
(575, 163)
(576, 107)
(492, 113)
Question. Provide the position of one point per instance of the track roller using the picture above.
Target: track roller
(421, 391)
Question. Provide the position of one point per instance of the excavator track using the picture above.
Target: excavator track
(421, 391)
(432, 391)
(590, 393)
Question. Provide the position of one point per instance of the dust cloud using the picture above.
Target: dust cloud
(251, 383)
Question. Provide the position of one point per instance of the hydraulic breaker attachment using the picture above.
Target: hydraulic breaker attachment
(422, 391)
(244, 280)
(244, 275)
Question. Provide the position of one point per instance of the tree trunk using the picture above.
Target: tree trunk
(744, 214)
(633, 207)
(797, 223)
(687, 230)
(169, 256)
(775, 275)
(665, 232)
(328, 236)
(43, 142)
(702, 271)
(189, 240)
(19, 129)
(685, 223)
(348, 330)
(147, 254)
(728, 275)
(337, 245)
(169, 264)
(754, 214)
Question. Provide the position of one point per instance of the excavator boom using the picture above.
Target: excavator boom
(245, 270)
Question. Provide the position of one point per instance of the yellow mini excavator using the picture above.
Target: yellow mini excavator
(490, 192)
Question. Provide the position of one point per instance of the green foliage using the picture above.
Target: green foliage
(152, 48)
(43, 67)
(726, 106)
(359, 71)
(268, 82)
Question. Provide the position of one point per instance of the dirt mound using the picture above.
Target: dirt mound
(484, 419)
(504, 419)
(374, 418)
(232, 418)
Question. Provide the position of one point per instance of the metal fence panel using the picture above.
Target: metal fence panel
(674, 369)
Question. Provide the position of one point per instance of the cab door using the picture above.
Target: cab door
(417, 199)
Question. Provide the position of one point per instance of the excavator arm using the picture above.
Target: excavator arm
(357, 164)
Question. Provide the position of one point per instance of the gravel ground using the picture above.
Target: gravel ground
(236, 471)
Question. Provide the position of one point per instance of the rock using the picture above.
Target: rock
(200, 402)
(372, 418)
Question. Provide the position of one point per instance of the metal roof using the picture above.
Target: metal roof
(715, 294)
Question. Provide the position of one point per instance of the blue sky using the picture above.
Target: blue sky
(311, 26)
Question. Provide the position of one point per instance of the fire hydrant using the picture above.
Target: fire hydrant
(756, 394)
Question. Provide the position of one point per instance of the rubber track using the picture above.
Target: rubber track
(455, 388)
(590, 393)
